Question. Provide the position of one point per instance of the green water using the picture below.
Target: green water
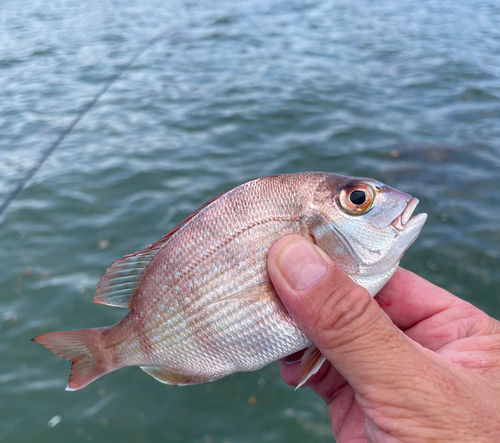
(402, 91)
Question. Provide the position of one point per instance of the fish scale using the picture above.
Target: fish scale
(201, 303)
(207, 341)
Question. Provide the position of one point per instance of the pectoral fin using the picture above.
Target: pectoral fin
(262, 292)
(312, 360)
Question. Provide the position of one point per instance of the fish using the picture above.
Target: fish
(201, 303)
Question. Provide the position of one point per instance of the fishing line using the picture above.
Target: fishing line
(23, 182)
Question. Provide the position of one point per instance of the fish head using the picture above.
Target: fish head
(365, 226)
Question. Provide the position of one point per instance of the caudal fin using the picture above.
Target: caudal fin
(83, 348)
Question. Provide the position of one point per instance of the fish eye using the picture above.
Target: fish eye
(357, 198)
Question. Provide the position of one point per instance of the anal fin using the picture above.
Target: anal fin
(312, 360)
(163, 375)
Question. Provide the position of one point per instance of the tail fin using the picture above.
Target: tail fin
(83, 348)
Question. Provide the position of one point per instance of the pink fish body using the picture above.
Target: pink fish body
(201, 303)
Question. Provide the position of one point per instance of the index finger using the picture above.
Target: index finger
(408, 299)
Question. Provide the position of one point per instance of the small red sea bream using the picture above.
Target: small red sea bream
(200, 300)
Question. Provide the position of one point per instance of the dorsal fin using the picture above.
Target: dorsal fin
(119, 283)
(164, 239)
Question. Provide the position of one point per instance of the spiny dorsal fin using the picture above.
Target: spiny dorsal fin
(119, 283)
(312, 360)
(163, 375)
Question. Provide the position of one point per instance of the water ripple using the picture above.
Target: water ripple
(405, 92)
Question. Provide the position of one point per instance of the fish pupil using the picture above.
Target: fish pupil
(357, 197)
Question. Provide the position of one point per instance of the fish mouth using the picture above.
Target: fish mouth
(409, 227)
(405, 220)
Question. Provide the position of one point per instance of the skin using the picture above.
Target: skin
(415, 364)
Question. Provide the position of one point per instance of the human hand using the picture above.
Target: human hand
(414, 364)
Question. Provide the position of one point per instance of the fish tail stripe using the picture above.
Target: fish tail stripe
(83, 348)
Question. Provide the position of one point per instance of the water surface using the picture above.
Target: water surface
(404, 92)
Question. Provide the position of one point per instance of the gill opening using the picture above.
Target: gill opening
(347, 246)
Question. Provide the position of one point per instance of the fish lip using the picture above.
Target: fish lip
(404, 219)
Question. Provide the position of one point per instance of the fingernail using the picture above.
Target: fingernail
(301, 264)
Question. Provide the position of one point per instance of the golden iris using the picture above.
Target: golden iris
(357, 198)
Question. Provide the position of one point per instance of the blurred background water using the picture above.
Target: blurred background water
(406, 92)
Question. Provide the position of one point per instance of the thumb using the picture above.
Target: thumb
(338, 316)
